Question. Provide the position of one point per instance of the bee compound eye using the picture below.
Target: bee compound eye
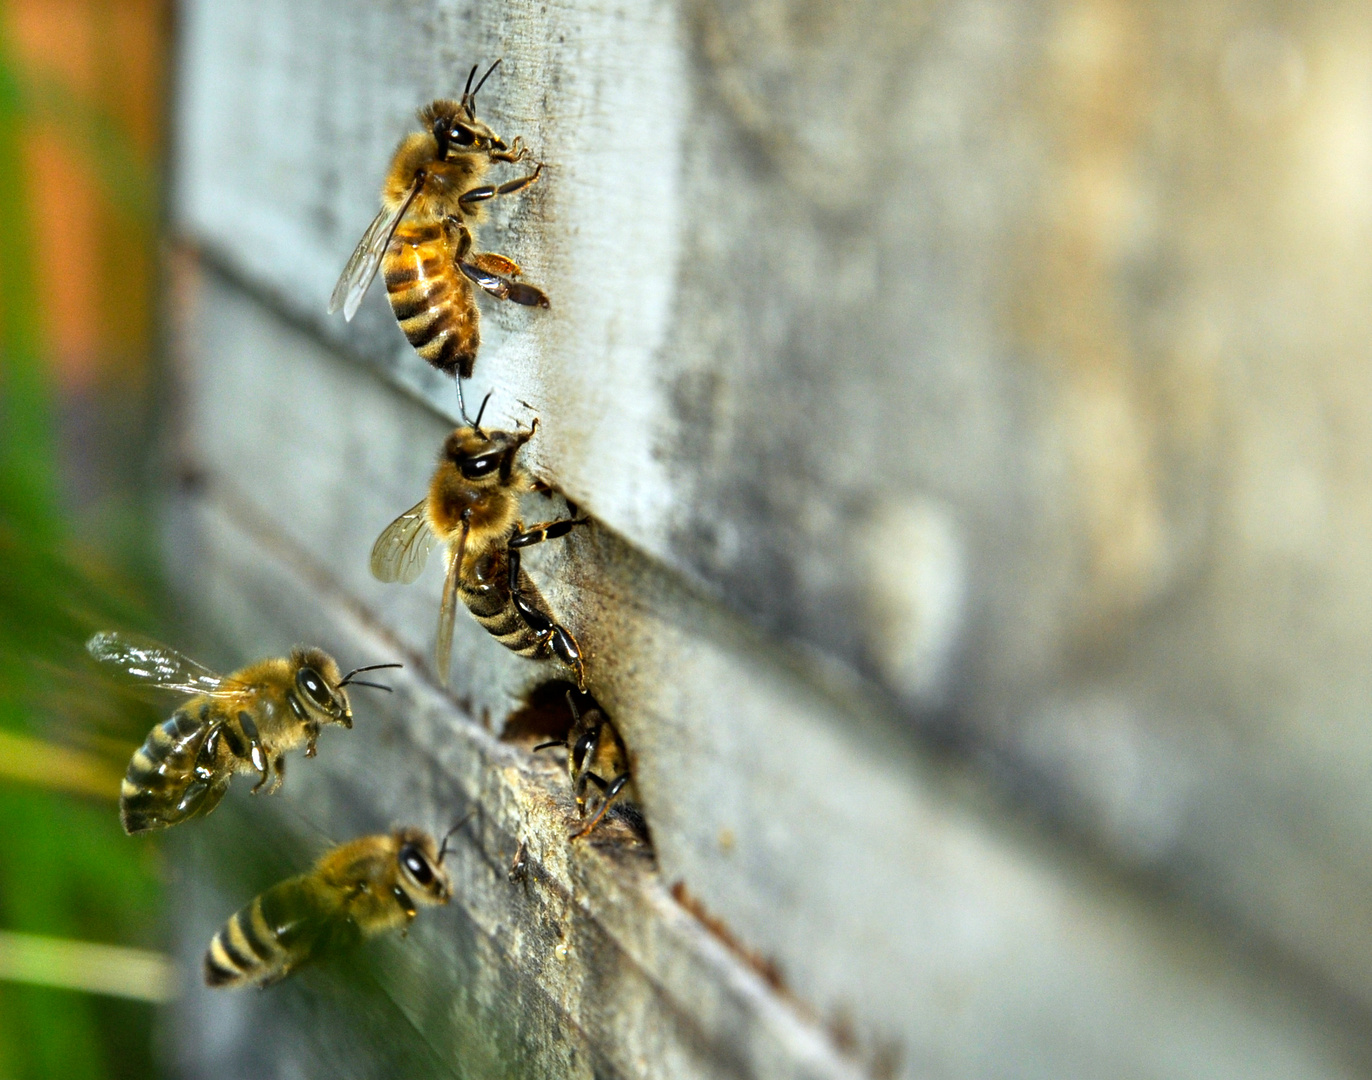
(462, 135)
(474, 468)
(416, 864)
(314, 686)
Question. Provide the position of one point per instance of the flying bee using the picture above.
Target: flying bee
(473, 507)
(595, 756)
(356, 891)
(242, 722)
(422, 237)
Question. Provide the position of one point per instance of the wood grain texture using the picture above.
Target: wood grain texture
(916, 928)
(994, 369)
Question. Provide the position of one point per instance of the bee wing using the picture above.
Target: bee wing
(366, 257)
(448, 612)
(145, 661)
(402, 549)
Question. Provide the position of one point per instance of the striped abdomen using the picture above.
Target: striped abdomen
(484, 588)
(172, 775)
(283, 928)
(431, 298)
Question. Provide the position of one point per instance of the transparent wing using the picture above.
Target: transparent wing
(448, 612)
(145, 661)
(366, 258)
(402, 549)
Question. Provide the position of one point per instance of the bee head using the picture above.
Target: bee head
(484, 457)
(317, 682)
(454, 125)
(321, 688)
(421, 867)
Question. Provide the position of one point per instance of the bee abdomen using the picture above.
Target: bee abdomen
(246, 951)
(159, 771)
(499, 617)
(432, 302)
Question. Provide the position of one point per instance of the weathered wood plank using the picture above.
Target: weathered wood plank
(904, 911)
(1016, 366)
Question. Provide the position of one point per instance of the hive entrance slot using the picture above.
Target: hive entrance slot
(545, 714)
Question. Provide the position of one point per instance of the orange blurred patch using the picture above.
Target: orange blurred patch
(94, 266)
(66, 222)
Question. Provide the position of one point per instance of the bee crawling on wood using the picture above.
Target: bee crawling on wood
(242, 722)
(356, 891)
(596, 756)
(422, 237)
(473, 507)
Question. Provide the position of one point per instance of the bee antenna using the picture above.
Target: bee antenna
(443, 848)
(481, 412)
(481, 84)
(373, 685)
(349, 680)
(576, 713)
(467, 90)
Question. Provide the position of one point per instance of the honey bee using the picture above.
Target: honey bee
(422, 236)
(356, 891)
(473, 507)
(242, 722)
(595, 756)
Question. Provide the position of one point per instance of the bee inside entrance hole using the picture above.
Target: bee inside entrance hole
(544, 715)
(558, 718)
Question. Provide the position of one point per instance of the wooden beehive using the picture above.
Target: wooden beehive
(968, 398)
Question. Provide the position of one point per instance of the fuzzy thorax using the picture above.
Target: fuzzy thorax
(444, 180)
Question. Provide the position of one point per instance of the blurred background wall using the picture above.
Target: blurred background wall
(973, 399)
(82, 100)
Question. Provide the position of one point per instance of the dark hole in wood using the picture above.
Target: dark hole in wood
(544, 715)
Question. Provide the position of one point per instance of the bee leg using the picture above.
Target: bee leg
(206, 757)
(521, 437)
(548, 632)
(558, 637)
(610, 794)
(403, 899)
(468, 199)
(212, 797)
(579, 759)
(261, 764)
(254, 750)
(312, 737)
(459, 236)
(569, 652)
(492, 263)
(546, 530)
(488, 270)
(501, 289)
(517, 151)
(279, 764)
(583, 783)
